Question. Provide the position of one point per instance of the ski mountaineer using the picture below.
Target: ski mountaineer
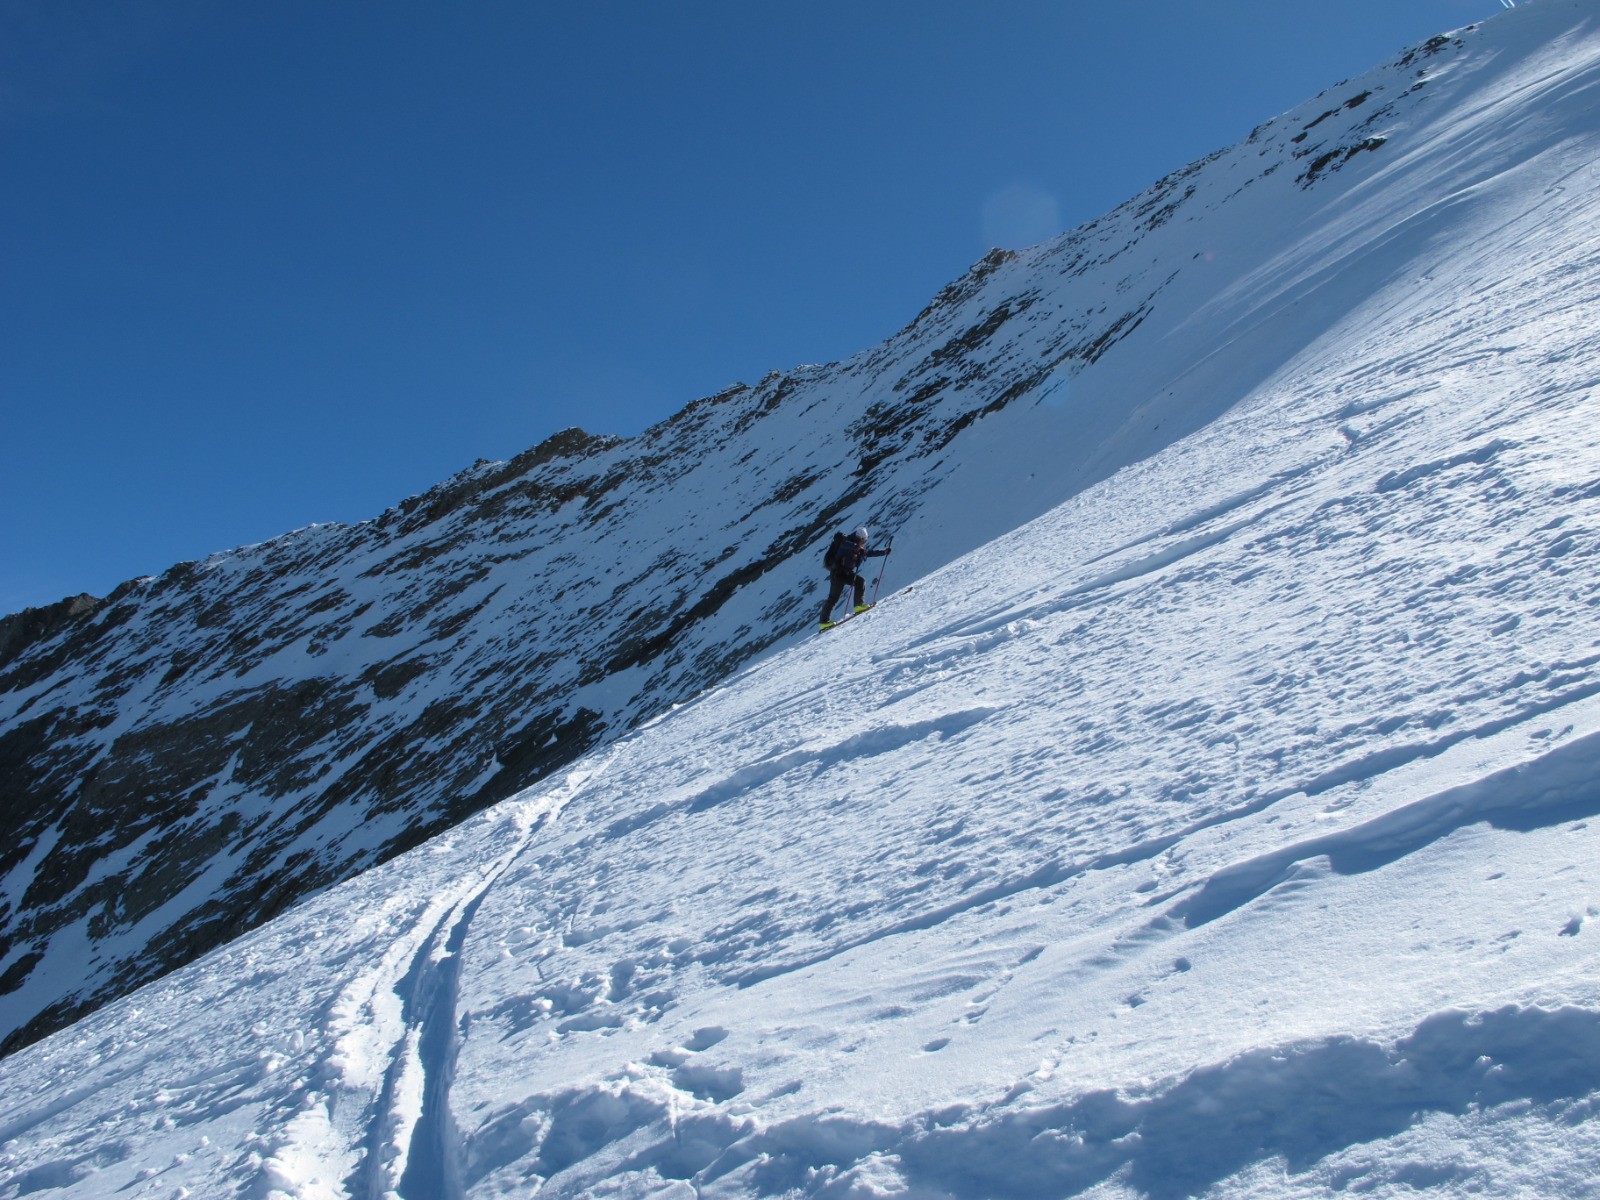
(843, 560)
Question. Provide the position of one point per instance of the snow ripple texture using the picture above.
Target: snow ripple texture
(1226, 830)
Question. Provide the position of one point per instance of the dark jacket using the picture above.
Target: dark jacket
(851, 554)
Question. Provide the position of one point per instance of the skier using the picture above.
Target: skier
(843, 560)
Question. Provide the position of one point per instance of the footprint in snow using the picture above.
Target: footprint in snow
(704, 1039)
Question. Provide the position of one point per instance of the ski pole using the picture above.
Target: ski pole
(878, 582)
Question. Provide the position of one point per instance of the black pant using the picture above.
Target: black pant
(837, 584)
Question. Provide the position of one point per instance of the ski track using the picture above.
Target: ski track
(393, 1033)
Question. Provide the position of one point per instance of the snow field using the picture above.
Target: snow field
(1385, 617)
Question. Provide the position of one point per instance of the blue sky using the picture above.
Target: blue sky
(264, 265)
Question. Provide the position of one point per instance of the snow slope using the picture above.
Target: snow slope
(202, 750)
(1228, 828)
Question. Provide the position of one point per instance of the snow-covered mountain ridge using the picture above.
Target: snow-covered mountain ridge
(1222, 823)
(203, 749)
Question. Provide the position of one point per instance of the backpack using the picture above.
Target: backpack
(830, 557)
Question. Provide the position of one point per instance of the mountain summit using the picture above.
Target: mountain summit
(1215, 816)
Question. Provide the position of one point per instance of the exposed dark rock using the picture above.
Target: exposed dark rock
(23, 629)
(1334, 159)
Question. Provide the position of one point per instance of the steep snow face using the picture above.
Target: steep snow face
(1228, 828)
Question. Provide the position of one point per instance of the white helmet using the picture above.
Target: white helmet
(862, 534)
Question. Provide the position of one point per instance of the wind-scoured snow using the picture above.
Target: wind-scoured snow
(1227, 828)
